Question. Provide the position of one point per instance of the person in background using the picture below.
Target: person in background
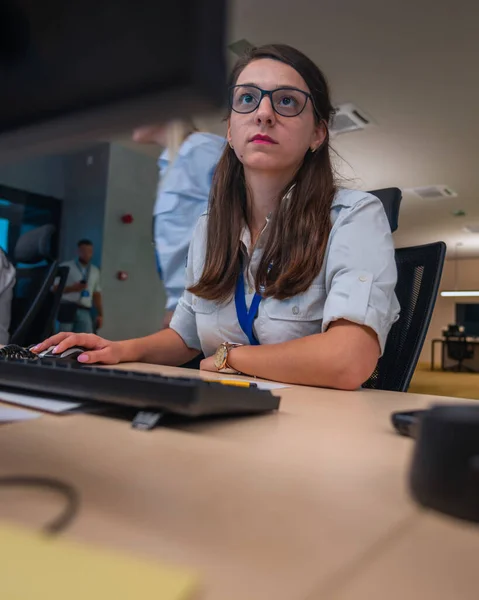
(7, 281)
(83, 291)
(186, 170)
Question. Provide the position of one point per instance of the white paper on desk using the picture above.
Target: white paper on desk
(9, 415)
(46, 404)
(266, 385)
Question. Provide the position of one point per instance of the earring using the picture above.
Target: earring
(231, 146)
(313, 150)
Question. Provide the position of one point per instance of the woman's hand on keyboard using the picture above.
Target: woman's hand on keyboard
(96, 348)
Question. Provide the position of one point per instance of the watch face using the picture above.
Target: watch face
(220, 357)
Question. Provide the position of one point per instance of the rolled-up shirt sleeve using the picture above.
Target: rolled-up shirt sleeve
(361, 272)
(184, 318)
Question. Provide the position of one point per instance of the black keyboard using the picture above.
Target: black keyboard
(175, 395)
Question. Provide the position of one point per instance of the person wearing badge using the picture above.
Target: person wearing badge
(290, 277)
(82, 293)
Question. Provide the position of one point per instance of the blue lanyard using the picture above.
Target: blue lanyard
(246, 317)
(85, 273)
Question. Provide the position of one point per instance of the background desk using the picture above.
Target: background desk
(442, 342)
(310, 503)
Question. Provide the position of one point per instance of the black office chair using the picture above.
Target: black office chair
(391, 200)
(459, 350)
(419, 275)
(35, 305)
(55, 301)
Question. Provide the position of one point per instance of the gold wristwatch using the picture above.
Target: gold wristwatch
(221, 357)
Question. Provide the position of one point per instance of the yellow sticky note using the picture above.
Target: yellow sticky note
(33, 565)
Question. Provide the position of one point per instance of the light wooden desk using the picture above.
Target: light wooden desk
(310, 503)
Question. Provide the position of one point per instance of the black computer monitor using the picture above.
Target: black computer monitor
(80, 70)
(467, 315)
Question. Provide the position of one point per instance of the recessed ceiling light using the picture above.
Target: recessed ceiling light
(432, 192)
(347, 118)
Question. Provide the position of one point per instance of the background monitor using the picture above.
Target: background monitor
(467, 315)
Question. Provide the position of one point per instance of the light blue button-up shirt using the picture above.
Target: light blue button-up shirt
(356, 283)
(183, 193)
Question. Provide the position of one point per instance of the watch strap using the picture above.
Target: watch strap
(226, 368)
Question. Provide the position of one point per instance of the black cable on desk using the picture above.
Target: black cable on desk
(68, 491)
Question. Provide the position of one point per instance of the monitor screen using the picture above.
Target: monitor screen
(468, 316)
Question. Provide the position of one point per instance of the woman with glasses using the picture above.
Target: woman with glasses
(289, 277)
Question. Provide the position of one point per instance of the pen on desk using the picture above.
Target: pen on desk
(233, 382)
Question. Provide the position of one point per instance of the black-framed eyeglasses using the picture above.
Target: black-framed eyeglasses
(286, 101)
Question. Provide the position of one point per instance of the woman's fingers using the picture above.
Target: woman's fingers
(105, 356)
(86, 340)
(51, 341)
(98, 349)
(63, 341)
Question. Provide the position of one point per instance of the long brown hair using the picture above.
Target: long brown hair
(299, 229)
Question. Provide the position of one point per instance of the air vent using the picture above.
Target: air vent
(471, 228)
(240, 47)
(348, 118)
(433, 192)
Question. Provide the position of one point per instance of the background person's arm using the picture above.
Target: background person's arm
(98, 304)
(167, 318)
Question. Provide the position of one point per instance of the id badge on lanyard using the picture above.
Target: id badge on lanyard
(85, 273)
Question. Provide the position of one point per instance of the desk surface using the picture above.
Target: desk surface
(452, 338)
(309, 503)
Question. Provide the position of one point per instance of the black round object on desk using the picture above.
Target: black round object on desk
(445, 469)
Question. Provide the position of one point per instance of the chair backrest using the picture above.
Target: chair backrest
(458, 349)
(35, 245)
(419, 275)
(52, 306)
(32, 296)
(391, 200)
(31, 299)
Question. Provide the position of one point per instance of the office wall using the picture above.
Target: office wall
(445, 310)
(85, 183)
(78, 179)
(134, 307)
(39, 175)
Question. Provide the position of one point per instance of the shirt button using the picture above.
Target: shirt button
(363, 278)
(250, 290)
(194, 301)
(295, 310)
